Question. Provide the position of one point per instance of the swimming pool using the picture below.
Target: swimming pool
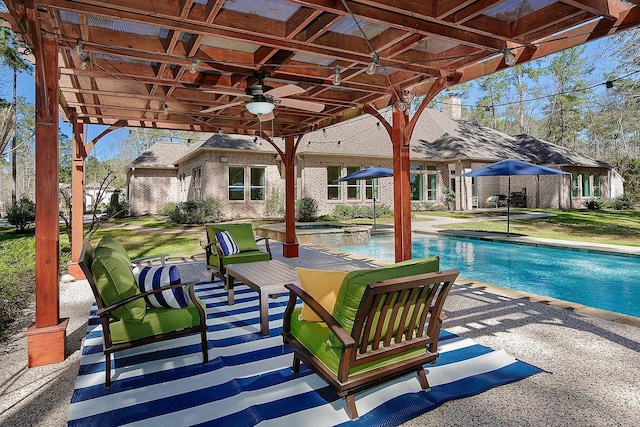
(599, 280)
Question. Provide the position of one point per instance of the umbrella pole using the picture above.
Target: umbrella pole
(374, 214)
(508, 204)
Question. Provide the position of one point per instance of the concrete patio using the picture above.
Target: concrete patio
(590, 363)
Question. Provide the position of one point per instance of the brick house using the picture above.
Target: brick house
(247, 175)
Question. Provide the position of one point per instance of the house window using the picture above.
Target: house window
(416, 182)
(258, 183)
(197, 182)
(596, 185)
(353, 185)
(586, 185)
(236, 183)
(474, 186)
(432, 187)
(333, 186)
(371, 189)
(574, 184)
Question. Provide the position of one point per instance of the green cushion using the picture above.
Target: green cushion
(239, 258)
(156, 321)
(111, 269)
(355, 282)
(314, 336)
(113, 244)
(241, 233)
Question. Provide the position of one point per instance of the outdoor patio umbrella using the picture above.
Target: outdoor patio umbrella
(369, 173)
(511, 167)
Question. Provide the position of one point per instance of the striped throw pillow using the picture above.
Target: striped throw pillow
(228, 245)
(149, 278)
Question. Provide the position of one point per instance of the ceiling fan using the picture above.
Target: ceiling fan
(263, 99)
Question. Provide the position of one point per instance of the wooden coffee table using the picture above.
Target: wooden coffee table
(264, 277)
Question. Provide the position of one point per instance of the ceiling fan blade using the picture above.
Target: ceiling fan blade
(221, 107)
(286, 90)
(316, 107)
(227, 91)
(265, 117)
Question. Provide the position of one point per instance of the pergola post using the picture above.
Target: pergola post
(77, 195)
(290, 248)
(401, 185)
(47, 335)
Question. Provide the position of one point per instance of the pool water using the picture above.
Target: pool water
(600, 280)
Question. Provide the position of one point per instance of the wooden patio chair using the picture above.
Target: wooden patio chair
(393, 331)
(126, 319)
(246, 242)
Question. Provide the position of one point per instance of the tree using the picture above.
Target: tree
(11, 51)
(564, 113)
(65, 154)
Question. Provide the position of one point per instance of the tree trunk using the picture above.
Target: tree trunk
(14, 140)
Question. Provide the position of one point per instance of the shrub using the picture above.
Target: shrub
(306, 209)
(593, 204)
(194, 211)
(345, 212)
(275, 204)
(623, 202)
(427, 206)
(22, 214)
(116, 207)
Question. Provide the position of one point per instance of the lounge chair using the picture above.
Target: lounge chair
(385, 324)
(126, 319)
(247, 246)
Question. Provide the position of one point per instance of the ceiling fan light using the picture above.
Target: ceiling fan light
(260, 107)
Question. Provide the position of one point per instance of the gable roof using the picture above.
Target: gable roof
(163, 155)
(436, 137)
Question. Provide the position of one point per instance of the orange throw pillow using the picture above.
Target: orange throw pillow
(323, 286)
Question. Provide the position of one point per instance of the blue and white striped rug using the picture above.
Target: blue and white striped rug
(248, 380)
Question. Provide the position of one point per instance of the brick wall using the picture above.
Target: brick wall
(151, 189)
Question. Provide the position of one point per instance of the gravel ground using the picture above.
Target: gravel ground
(591, 378)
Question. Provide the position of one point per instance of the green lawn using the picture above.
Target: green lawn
(608, 227)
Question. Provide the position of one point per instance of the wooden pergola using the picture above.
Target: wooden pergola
(189, 65)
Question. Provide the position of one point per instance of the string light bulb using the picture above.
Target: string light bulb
(84, 63)
(165, 109)
(78, 47)
(509, 58)
(336, 76)
(194, 66)
(608, 84)
(371, 68)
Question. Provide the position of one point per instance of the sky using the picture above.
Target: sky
(103, 151)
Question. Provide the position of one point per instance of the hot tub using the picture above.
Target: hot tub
(329, 234)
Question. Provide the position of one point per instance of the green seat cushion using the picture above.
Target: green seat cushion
(156, 321)
(355, 283)
(241, 233)
(314, 336)
(239, 258)
(111, 270)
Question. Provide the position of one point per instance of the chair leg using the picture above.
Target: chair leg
(296, 364)
(422, 379)
(205, 347)
(350, 402)
(107, 369)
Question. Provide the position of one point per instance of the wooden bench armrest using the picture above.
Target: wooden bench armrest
(342, 335)
(112, 307)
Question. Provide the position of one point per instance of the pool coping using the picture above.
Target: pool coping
(512, 293)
